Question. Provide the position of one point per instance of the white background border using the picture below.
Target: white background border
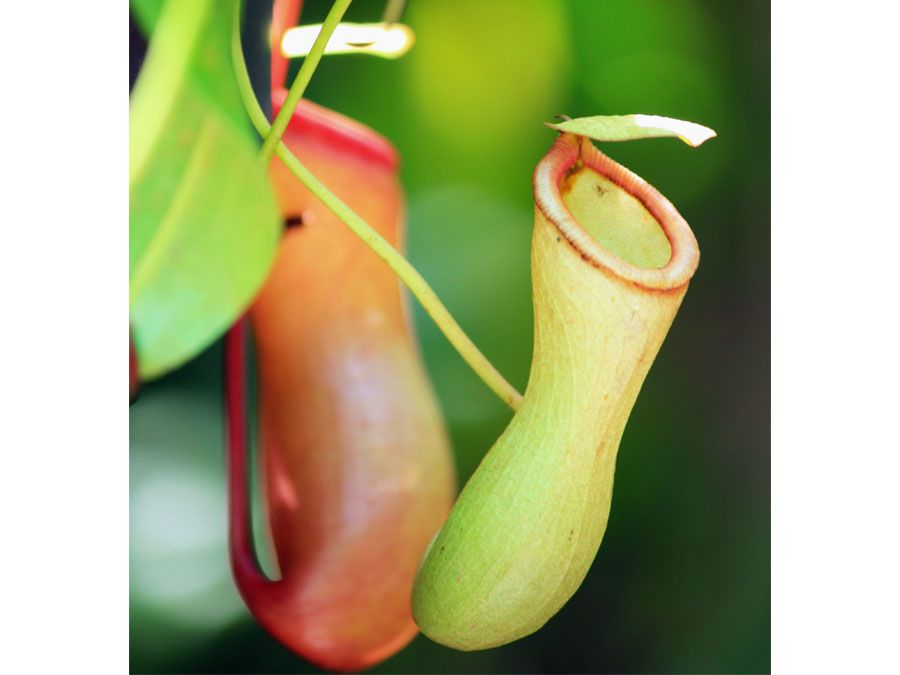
(63, 343)
(835, 337)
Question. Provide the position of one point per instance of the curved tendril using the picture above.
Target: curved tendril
(400, 265)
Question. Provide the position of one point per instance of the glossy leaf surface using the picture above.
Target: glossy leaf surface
(203, 221)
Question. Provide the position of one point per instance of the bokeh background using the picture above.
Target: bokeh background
(681, 582)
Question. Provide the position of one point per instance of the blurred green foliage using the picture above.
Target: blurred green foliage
(681, 582)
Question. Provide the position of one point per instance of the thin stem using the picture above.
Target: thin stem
(393, 10)
(304, 75)
(409, 276)
(380, 246)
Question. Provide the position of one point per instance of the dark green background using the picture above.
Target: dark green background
(681, 582)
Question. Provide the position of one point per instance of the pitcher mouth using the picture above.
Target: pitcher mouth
(567, 151)
(331, 127)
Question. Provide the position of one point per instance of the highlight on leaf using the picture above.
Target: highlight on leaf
(390, 41)
(634, 127)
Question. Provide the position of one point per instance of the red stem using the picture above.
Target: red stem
(285, 14)
(251, 581)
(134, 376)
(249, 577)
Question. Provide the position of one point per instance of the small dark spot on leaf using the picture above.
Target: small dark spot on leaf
(600, 189)
(557, 238)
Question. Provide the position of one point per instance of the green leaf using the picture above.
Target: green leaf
(146, 13)
(634, 127)
(204, 225)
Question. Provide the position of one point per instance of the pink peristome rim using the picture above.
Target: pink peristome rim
(566, 151)
(339, 131)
